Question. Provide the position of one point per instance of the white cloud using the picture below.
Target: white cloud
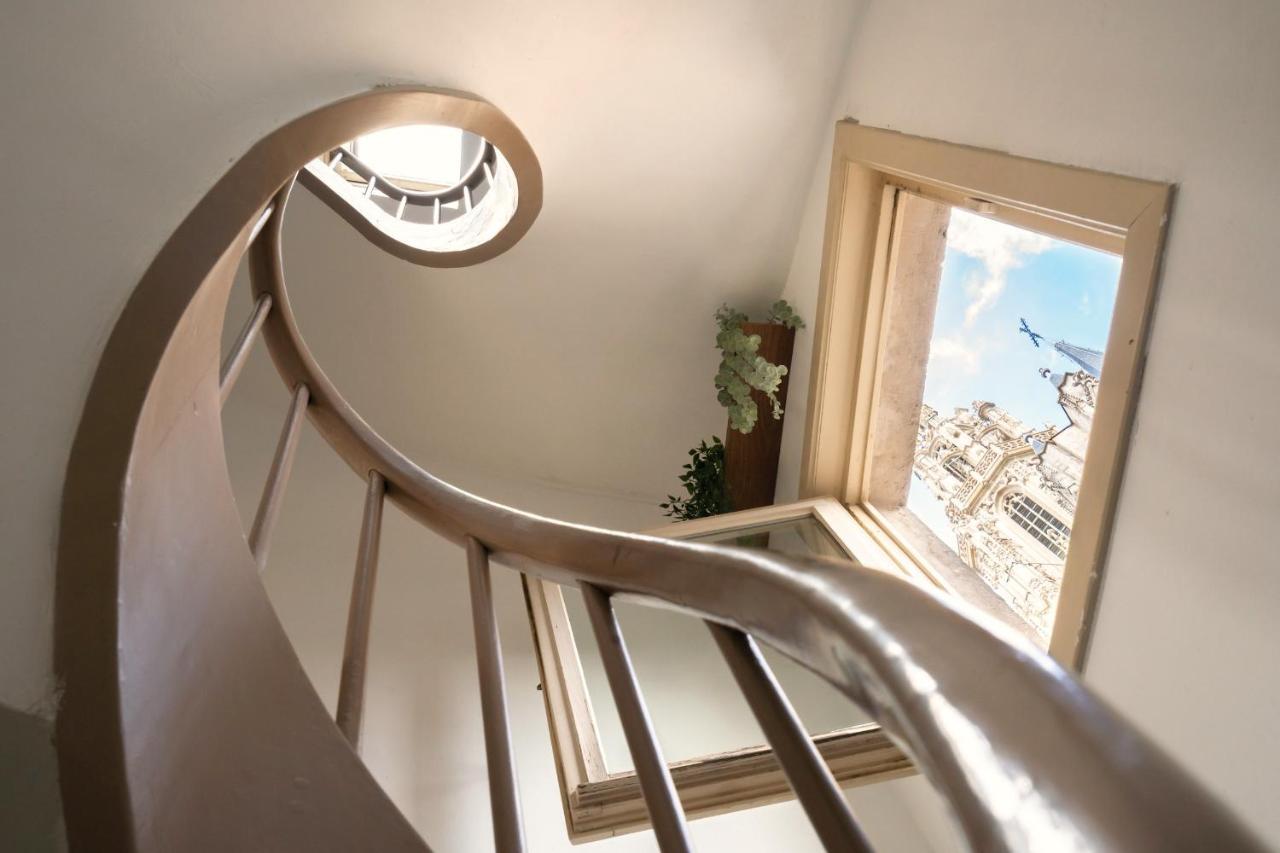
(998, 247)
(954, 351)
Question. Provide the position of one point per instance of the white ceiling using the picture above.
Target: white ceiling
(677, 142)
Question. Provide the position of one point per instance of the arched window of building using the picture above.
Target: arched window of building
(958, 467)
(1043, 525)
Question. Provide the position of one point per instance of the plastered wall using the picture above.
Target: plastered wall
(1187, 629)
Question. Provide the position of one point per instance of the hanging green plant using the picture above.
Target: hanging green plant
(703, 479)
(784, 315)
(743, 370)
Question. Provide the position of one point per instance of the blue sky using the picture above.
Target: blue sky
(993, 275)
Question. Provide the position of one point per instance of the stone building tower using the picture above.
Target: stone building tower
(1009, 490)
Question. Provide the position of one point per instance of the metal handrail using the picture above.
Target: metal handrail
(1023, 752)
(476, 176)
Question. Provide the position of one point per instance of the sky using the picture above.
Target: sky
(993, 275)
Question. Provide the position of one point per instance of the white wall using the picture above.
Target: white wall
(1189, 622)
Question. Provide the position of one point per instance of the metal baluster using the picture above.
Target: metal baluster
(809, 776)
(355, 654)
(263, 218)
(239, 354)
(435, 212)
(655, 778)
(504, 797)
(400, 207)
(368, 190)
(264, 521)
(335, 160)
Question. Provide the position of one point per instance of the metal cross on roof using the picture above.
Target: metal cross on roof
(1025, 329)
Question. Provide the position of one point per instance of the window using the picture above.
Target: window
(913, 226)
(1002, 346)
(1043, 525)
(959, 467)
(693, 705)
(871, 438)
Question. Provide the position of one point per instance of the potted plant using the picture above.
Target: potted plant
(751, 383)
(704, 482)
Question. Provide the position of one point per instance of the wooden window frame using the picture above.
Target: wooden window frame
(870, 167)
(598, 803)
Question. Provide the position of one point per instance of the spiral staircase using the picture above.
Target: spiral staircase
(188, 724)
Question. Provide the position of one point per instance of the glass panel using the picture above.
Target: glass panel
(696, 707)
(1013, 365)
(803, 536)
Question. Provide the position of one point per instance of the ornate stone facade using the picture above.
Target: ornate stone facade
(1009, 491)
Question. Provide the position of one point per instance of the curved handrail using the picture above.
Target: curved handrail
(1018, 746)
(186, 721)
(188, 724)
(474, 177)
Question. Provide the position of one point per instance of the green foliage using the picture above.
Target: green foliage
(703, 479)
(743, 370)
(784, 315)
